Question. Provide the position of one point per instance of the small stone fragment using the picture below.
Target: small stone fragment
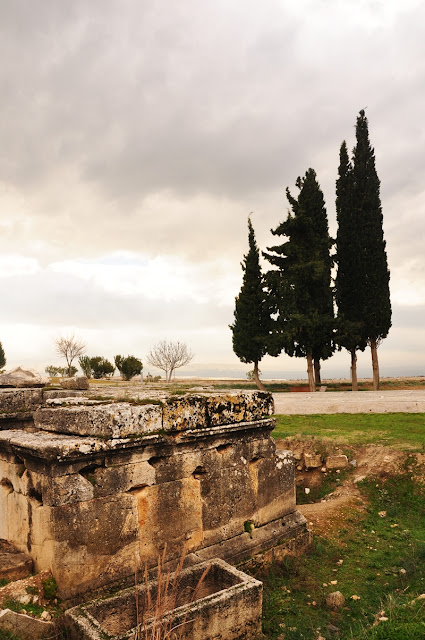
(335, 600)
(337, 462)
(81, 383)
(312, 460)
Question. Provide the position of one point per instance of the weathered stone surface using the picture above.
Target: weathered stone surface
(116, 420)
(24, 626)
(169, 514)
(186, 412)
(229, 607)
(238, 407)
(92, 480)
(289, 532)
(68, 400)
(312, 460)
(335, 600)
(82, 502)
(20, 400)
(259, 404)
(80, 382)
(336, 462)
(96, 542)
(20, 377)
(49, 394)
(14, 564)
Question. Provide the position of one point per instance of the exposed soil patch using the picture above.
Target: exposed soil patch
(327, 516)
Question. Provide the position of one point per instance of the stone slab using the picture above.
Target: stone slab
(336, 461)
(23, 626)
(14, 564)
(19, 400)
(58, 447)
(115, 420)
(49, 394)
(246, 544)
(228, 606)
(20, 377)
(80, 382)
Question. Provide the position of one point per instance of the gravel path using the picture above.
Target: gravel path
(411, 401)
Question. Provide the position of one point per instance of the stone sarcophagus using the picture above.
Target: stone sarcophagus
(92, 489)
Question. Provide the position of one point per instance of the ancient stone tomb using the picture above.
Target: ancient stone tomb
(90, 489)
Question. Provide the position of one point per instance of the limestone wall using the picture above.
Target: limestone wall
(94, 489)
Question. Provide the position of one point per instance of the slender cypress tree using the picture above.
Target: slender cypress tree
(350, 279)
(2, 356)
(368, 213)
(306, 321)
(251, 325)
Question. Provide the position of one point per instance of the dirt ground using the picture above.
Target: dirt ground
(327, 517)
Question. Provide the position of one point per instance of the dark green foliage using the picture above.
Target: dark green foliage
(129, 366)
(368, 213)
(50, 588)
(362, 283)
(251, 324)
(101, 367)
(2, 357)
(85, 364)
(350, 282)
(31, 608)
(52, 371)
(300, 287)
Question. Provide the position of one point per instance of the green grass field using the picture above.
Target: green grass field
(377, 561)
(377, 557)
(401, 430)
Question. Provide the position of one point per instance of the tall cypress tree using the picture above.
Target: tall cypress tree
(304, 327)
(251, 325)
(376, 305)
(350, 280)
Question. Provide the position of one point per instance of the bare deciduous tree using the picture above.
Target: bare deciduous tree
(169, 356)
(69, 348)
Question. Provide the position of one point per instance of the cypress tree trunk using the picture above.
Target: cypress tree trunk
(258, 382)
(317, 376)
(375, 364)
(310, 374)
(354, 385)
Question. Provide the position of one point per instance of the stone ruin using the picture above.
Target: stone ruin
(89, 489)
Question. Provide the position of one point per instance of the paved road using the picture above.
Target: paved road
(350, 402)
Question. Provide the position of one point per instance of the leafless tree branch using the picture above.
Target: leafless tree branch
(169, 356)
(69, 348)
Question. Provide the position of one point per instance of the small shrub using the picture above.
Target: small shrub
(101, 367)
(50, 588)
(30, 607)
(151, 378)
(52, 371)
(129, 366)
(85, 364)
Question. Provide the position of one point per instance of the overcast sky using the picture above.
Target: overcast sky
(137, 137)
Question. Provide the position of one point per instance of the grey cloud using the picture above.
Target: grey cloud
(52, 299)
(226, 101)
